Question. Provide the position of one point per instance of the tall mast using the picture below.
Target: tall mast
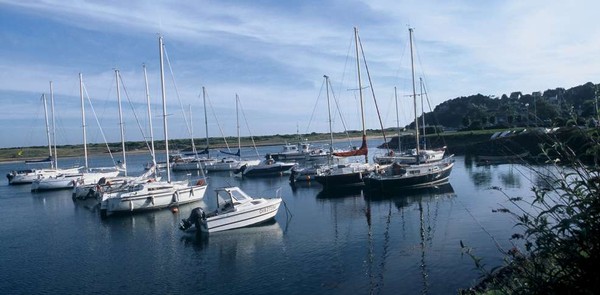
(149, 117)
(329, 116)
(85, 152)
(397, 117)
(423, 113)
(412, 66)
(164, 104)
(55, 160)
(121, 121)
(192, 132)
(205, 118)
(47, 128)
(362, 112)
(237, 120)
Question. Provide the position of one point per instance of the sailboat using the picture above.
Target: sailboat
(186, 161)
(410, 156)
(27, 176)
(231, 163)
(412, 175)
(308, 173)
(349, 174)
(151, 195)
(85, 175)
(95, 190)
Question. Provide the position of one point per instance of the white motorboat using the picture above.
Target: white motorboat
(235, 209)
(265, 168)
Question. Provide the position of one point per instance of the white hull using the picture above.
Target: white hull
(191, 165)
(30, 175)
(263, 210)
(67, 181)
(152, 196)
(235, 209)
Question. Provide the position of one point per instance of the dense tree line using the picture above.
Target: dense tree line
(553, 107)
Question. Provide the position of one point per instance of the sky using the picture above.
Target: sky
(273, 55)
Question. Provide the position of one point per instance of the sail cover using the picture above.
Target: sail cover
(230, 153)
(362, 151)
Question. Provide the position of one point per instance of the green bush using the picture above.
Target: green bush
(558, 248)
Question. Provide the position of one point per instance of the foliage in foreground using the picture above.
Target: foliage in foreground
(559, 246)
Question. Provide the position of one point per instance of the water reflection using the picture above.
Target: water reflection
(422, 198)
(510, 179)
(236, 244)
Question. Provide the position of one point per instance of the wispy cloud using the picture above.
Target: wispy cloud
(273, 54)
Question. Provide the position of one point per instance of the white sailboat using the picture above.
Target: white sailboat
(410, 156)
(401, 175)
(111, 184)
(85, 175)
(197, 160)
(151, 195)
(231, 163)
(27, 176)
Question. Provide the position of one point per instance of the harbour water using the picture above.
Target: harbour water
(325, 243)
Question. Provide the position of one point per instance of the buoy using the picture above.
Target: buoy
(174, 210)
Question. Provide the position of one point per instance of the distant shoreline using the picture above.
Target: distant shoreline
(99, 151)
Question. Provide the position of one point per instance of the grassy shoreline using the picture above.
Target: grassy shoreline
(456, 142)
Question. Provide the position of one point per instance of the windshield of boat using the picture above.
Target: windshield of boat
(239, 196)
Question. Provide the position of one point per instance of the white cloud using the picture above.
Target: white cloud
(274, 55)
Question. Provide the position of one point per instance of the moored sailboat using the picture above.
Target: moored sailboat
(349, 174)
(85, 175)
(151, 195)
(411, 175)
(27, 176)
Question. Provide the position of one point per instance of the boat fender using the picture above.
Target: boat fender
(175, 197)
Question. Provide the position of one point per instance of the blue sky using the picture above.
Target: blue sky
(274, 54)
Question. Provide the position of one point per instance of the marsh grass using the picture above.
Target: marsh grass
(557, 244)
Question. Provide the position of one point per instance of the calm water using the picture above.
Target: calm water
(347, 243)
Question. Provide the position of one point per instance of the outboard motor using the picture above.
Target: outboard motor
(193, 219)
(241, 169)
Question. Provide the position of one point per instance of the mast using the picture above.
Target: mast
(205, 119)
(237, 121)
(412, 66)
(164, 104)
(47, 128)
(121, 121)
(397, 117)
(362, 111)
(423, 113)
(192, 132)
(85, 152)
(55, 160)
(329, 114)
(149, 117)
